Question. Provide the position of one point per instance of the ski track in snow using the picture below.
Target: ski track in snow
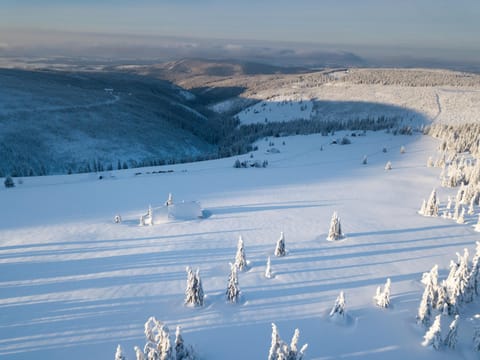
(74, 285)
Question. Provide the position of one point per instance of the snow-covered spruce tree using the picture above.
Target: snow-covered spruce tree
(476, 339)
(169, 200)
(279, 350)
(388, 165)
(382, 298)
(276, 344)
(402, 149)
(158, 346)
(335, 230)
(431, 209)
(442, 297)
(268, 269)
(147, 219)
(471, 207)
(425, 310)
(433, 336)
(240, 259)
(338, 309)
(477, 226)
(430, 162)
(430, 280)
(475, 270)
(423, 208)
(449, 204)
(451, 338)
(194, 291)
(429, 297)
(456, 210)
(461, 217)
(233, 290)
(182, 351)
(293, 352)
(9, 182)
(364, 161)
(138, 353)
(280, 248)
(119, 353)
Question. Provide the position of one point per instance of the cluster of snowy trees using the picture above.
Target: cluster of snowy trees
(194, 295)
(458, 138)
(447, 297)
(250, 164)
(411, 77)
(463, 203)
(279, 350)
(240, 140)
(382, 299)
(159, 345)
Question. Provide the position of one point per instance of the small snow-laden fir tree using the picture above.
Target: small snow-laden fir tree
(433, 336)
(338, 309)
(449, 203)
(169, 200)
(365, 160)
(471, 207)
(402, 149)
(335, 230)
(279, 350)
(158, 346)
(451, 337)
(382, 298)
(293, 352)
(430, 280)
(430, 162)
(182, 351)
(147, 219)
(276, 344)
(429, 297)
(462, 276)
(138, 353)
(461, 217)
(280, 248)
(200, 293)
(9, 182)
(477, 226)
(233, 290)
(423, 208)
(442, 296)
(456, 210)
(268, 269)
(475, 270)
(240, 258)
(119, 353)
(476, 339)
(194, 290)
(425, 309)
(431, 208)
(388, 165)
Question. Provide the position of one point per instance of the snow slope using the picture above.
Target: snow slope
(449, 97)
(73, 284)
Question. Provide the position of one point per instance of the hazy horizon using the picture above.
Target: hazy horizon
(391, 31)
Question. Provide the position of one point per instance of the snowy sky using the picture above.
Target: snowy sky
(445, 24)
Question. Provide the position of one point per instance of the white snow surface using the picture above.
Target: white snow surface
(73, 284)
(442, 104)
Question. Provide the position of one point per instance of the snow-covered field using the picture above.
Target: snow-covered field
(73, 284)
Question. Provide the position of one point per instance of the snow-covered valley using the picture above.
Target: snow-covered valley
(73, 284)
